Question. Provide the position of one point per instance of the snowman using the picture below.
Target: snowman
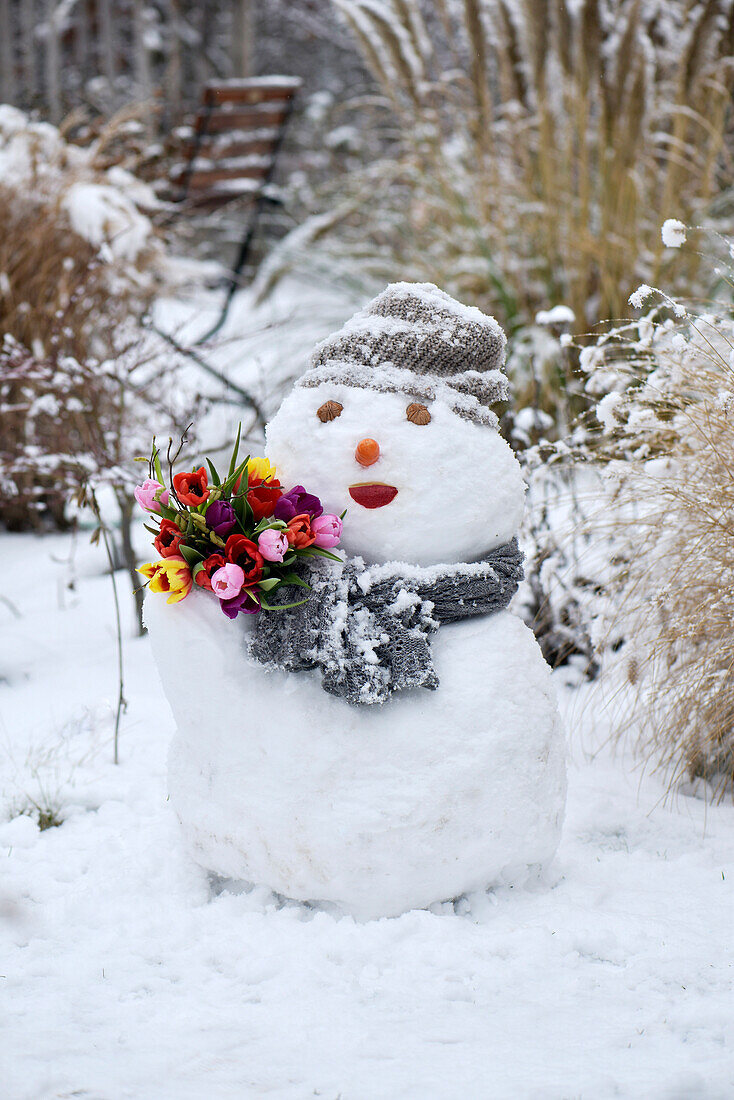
(395, 741)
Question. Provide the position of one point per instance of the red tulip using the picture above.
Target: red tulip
(262, 494)
(168, 539)
(191, 488)
(299, 533)
(243, 552)
(204, 576)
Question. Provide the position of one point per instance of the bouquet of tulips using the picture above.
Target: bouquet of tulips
(238, 537)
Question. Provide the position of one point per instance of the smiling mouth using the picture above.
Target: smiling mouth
(373, 495)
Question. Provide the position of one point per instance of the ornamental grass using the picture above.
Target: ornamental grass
(664, 438)
(534, 147)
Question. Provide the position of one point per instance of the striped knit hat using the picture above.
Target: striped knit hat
(415, 339)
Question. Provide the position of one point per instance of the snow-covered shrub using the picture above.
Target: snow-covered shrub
(560, 594)
(68, 426)
(663, 435)
(534, 145)
(79, 264)
(77, 254)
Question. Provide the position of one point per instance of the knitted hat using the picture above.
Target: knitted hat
(415, 339)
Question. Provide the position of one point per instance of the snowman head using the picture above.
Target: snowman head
(392, 423)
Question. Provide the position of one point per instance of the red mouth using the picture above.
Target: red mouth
(375, 495)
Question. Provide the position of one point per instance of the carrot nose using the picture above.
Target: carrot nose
(367, 452)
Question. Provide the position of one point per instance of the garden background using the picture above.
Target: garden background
(566, 167)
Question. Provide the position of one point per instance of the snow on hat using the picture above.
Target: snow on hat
(415, 339)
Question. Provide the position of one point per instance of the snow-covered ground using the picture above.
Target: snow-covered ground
(124, 974)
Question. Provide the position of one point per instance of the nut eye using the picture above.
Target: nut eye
(329, 411)
(418, 414)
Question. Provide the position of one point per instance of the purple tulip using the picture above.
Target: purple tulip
(220, 518)
(295, 502)
(243, 602)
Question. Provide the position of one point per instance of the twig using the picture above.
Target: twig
(11, 607)
(219, 375)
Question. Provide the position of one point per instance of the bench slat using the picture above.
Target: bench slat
(218, 122)
(237, 146)
(220, 94)
(205, 177)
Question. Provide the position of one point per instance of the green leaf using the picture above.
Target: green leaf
(293, 578)
(279, 606)
(190, 556)
(235, 452)
(232, 478)
(213, 471)
(269, 584)
(157, 465)
(153, 530)
(270, 524)
(317, 552)
(196, 569)
(239, 504)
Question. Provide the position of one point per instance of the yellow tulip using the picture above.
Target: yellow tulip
(169, 575)
(260, 469)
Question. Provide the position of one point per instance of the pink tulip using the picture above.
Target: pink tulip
(227, 582)
(327, 529)
(149, 494)
(273, 544)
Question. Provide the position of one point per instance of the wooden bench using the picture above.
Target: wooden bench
(234, 142)
(231, 153)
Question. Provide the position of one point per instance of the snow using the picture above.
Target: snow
(673, 233)
(433, 794)
(640, 296)
(271, 80)
(406, 330)
(374, 809)
(429, 464)
(104, 215)
(606, 410)
(105, 207)
(125, 975)
(559, 315)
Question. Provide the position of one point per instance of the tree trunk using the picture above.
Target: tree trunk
(53, 75)
(7, 82)
(243, 38)
(173, 75)
(28, 39)
(143, 76)
(107, 36)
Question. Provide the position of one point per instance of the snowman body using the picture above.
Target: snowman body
(379, 808)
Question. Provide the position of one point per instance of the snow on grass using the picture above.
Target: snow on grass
(673, 233)
(125, 975)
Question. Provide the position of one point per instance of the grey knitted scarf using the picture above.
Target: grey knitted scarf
(368, 628)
